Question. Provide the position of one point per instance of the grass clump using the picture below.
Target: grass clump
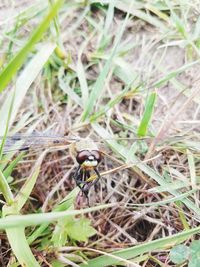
(127, 76)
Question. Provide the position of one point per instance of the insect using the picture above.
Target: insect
(84, 151)
(88, 156)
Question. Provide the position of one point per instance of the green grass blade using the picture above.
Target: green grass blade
(109, 18)
(20, 247)
(153, 20)
(23, 83)
(64, 85)
(98, 86)
(66, 204)
(179, 23)
(167, 201)
(110, 104)
(27, 188)
(35, 219)
(147, 247)
(81, 72)
(148, 112)
(5, 189)
(123, 152)
(7, 125)
(10, 70)
(7, 172)
(174, 73)
(182, 215)
(192, 169)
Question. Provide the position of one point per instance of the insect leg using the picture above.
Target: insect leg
(80, 179)
(98, 177)
(78, 176)
(88, 185)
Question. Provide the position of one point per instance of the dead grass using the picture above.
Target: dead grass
(150, 54)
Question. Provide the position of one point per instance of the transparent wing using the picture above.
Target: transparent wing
(39, 140)
(24, 142)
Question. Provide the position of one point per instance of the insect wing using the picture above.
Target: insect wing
(38, 141)
(24, 142)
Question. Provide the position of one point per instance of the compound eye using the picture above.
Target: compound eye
(82, 156)
(96, 154)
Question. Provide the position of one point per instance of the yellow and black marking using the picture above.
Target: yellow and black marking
(88, 157)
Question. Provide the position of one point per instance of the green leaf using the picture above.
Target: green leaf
(66, 204)
(179, 254)
(68, 201)
(80, 229)
(146, 118)
(60, 235)
(10, 70)
(57, 263)
(195, 254)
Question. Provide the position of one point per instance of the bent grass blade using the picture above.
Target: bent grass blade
(20, 247)
(13, 221)
(22, 252)
(27, 188)
(99, 84)
(132, 252)
(23, 83)
(10, 70)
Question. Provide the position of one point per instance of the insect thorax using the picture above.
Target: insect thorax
(86, 144)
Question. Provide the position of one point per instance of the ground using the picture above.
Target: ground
(158, 54)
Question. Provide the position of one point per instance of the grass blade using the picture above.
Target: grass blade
(5, 189)
(191, 163)
(135, 251)
(7, 125)
(20, 247)
(7, 172)
(110, 104)
(23, 84)
(173, 74)
(27, 188)
(35, 219)
(148, 112)
(123, 152)
(142, 15)
(98, 86)
(10, 70)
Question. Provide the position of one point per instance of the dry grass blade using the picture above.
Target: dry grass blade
(98, 63)
(168, 122)
(98, 86)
